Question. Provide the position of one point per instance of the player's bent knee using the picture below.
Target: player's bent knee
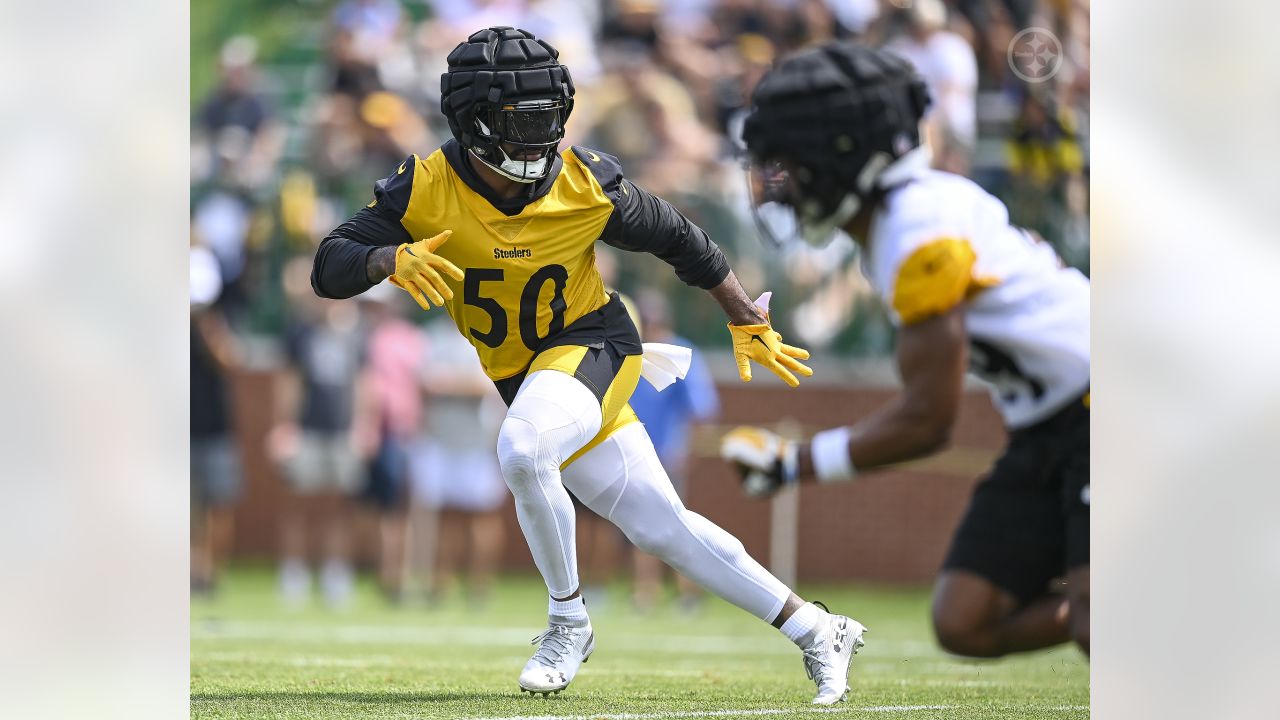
(963, 642)
(961, 637)
(518, 452)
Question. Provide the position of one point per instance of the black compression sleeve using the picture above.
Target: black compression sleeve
(339, 268)
(647, 223)
(643, 222)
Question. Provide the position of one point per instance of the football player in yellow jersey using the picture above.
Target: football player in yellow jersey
(499, 227)
(835, 143)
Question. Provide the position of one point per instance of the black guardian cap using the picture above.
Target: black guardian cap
(504, 85)
(825, 126)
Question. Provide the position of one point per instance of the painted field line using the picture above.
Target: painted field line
(727, 713)
(411, 663)
(496, 637)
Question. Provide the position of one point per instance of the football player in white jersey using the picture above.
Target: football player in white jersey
(834, 144)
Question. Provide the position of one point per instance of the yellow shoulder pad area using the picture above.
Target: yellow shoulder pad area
(936, 277)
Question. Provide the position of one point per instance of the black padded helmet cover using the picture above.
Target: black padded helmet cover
(494, 67)
(830, 112)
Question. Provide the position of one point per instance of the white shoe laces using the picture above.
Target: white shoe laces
(814, 667)
(553, 645)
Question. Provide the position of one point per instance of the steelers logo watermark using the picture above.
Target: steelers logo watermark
(1035, 55)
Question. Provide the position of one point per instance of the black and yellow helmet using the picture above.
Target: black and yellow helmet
(506, 87)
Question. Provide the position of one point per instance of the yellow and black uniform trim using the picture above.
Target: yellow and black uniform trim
(600, 341)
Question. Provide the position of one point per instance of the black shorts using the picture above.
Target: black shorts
(1028, 520)
(610, 336)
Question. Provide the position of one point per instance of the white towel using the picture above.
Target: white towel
(662, 364)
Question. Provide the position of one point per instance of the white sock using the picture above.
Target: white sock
(802, 626)
(571, 612)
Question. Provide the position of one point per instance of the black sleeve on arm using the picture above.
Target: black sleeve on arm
(338, 271)
(642, 222)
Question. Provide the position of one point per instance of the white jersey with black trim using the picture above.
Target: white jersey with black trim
(939, 241)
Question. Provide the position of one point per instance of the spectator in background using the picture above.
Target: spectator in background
(320, 440)
(650, 121)
(236, 146)
(373, 24)
(223, 220)
(396, 352)
(1044, 146)
(949, 67)
(367, 120)
(667, 416)
(855, 16)
(1046, 160)
(457, 487)
(634, 23)
(995, 24)
(367, 131)
(571, 27)
(215, 459)
(752, 56)
(462, 17)
(363, 33)
(238, 140)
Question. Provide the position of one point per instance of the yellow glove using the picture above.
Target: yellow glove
(764, 345)
(766, 460)
(418, 271)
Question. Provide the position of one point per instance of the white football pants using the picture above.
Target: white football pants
(621, 479)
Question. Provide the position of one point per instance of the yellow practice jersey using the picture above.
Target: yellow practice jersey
(530, 279)
(527, 276)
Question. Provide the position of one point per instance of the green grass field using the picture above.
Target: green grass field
(251, 658)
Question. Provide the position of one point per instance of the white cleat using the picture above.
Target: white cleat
(827, 659)
(561, 649)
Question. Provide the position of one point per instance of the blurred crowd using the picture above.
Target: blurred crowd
(306, 103)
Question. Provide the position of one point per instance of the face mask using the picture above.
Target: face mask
(535, 126)
(782, 219)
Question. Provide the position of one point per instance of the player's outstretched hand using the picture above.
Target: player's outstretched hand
(418, 271)
(764, 345)
(766, 460)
